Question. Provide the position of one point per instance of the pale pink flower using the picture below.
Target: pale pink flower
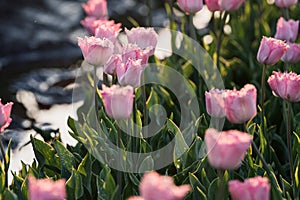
(215, 105)
(108, 30)
(46, 189)
(111, 66)
(292, 55)
(226, 150)
(96, 8)
(230, 5)
(5, 119)
(190, 6)
(118, 101)
(240, 105)
(287, 30)
(285, 3)
(96, 51)
(145, 38)
(271, 50)
(153, 186)
(257, 188)
(212, 5)
(130, 72)
(285, 85)
(92, 23)
(134, 52)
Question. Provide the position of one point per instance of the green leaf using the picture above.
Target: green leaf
(212, 189)
(66, 159)
(198, 189)
(85, 168)
(146, 165)
(74, 186)
(9, 195)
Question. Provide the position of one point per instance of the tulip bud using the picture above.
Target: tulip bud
(292, 55)
(96, 51)
(5, 119)
(240, 105)
(226, 150)
(96, 8)
(155, 186)
(285, 3)
(285, 85)
(251, 189)
(213, 5)
(230, 5)
(287, 30)
(271, 50)
(214, 100)
(118, 101)
(190, 6)
(46, 189)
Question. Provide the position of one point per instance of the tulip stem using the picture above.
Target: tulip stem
(96, 90)
(221, 184)
(263, 80)
(192, 28)
(219, 39)
(287, 113)
(5, 162)
(285, 13)
(145, 113)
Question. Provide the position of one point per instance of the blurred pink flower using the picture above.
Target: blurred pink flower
(271, 50)
(190, 6)
(46, 189)
(251, 189)
(113, 63)
(240, 105)
(145, 38)
(96, 8)
(292, 55)
(153, 186)
(118, 101)
(287, 30)
(212, 5)
(96, 51)
(5, 119)
(285, 3)
(108, 31)
(226, 150)
(92, 23)
(230, 5)
(214, 100)
(285, 85)
(130, 72)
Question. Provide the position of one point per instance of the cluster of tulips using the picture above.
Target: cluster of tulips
(123, 65)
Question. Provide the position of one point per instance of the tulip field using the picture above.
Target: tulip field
(216, 117)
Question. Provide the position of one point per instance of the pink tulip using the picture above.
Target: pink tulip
(130, 73)
(285, 3)
(212, 5)
(226, 150)
(92, 23)
(285, 85)
(5, 119)
(154, 187)
(96, 51)
(271, 50)
(134, 52)
(240, 105)
(46, 189)
(110, 32)
(118, 101)
(292, 55)
(96, 8)
(190, 6)
(287, 30)
(230, 5)
(251, 189)
(145, 38)
(111, 66)
(214, 100)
